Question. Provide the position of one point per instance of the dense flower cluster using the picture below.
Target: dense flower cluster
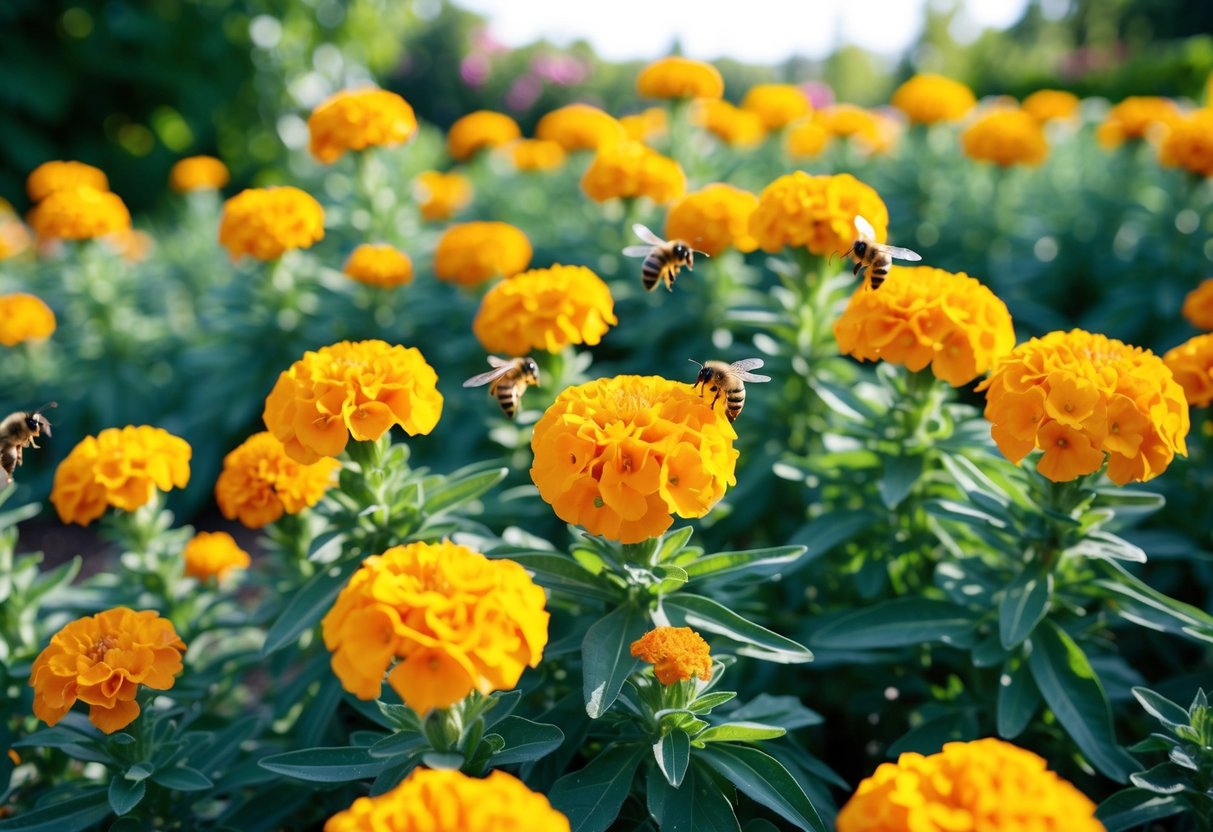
(778, 105)
(50, 177)
(1189, 143)
(1134, 118)
(198, 173)
(927, 99)
(677, 654)
(474, 252)
(1192, 365)
(478, 130)
(80, 213)
(440, 195)
(24, 317)
(580, 127)
(1075, 396)
(648, 123)
(213, 555)
(816, 212)
(1050, 105)
(259, 482)
(102, 660)
(265, 223)
(1198, 305)
(456, 620)
(1006, 137)
(537, 154)
(676, 77)
(631, 169)
(379, 265)
(358, 119)
(619, 455)
(732, 125)
(713, 219)
(806, 138)
(546, 309)
(351, 389)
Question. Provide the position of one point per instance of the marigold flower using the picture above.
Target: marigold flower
(873, 132)
(630, 169)
(1198, 305)
(546, 309)
(441, 195)
(120, 468)
(1135, 118)
(677, 654)
(379, 265)
(713, 219)
(816, 212)
(49, 177)
(358, 119)
(732, 125)
(259, 482)
(642, 126)
(676, 77)
(450, 801)
(1192, 365)
(922, 316)
(806, 138)
(24, 317)
(1077, 396)
(982, 785)
(778, 105)
(580, 127)
(927, 99)
(456, 620)
(473, 252)
(1189, 144)
(351, 389)
(102, 660)
(265, 223)
(1006, 137)
(198, 173)
(478, 130)
(617, 456)
(1050, 105)
(536, 154)
(213, 555)
(80, 213)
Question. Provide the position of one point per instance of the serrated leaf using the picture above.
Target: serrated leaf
(897, 623)
(673, 754)
(606, 659)
(591, 797)
(764, 780)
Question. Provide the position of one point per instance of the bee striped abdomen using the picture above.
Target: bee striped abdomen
(506, 392)
(652, 269)
(733, 404)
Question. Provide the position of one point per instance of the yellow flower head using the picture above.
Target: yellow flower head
(1049, 105)
(24, 317)
(873, 132)
(580, 127)
(358, 119)
(545, 309)
(265, 223)
(537, 154)
(618, 456)
(14, 236)
(927, 99)
(630, 169)
(677, 654)
(806, 138)
(1198, 305)
(213, 555)
(379, 265)
(1077, 396)
(478, 130)
(349, 389)
(102, 660)
(982, 785)
(198, 173)
(80, 213)
(259, 482)
(713, 219)
(456, 620)
(441, 195)
(474, 252)
(1006, 137)
(449, 801)
(1189, 144)
(816, 212)
(120, 468)
(922, 316)
(1192, 365)
(676, 77)
(49, 177)
(642, 126)
(1135, 118)
(732, 125)
(778, 105)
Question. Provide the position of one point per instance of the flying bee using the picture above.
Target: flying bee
(662, 258)
(874, 256)
(718, 377)
(17, 432)
(507, 381)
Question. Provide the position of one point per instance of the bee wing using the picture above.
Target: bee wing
(648, 236)
(490, 376)
(751, 377)
(746, 364)
(864, 227)
(902, 253)
(499, 362)
(637, 251)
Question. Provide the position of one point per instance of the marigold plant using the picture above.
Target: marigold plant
(732, 125)
(198, 173)
(1006, 137)
(1051, 105)
(537, 154)
(214, 555)
(358, 119)
(441, 195)
(816, 212)
(713, 219)
(379, 265)
(676, 77)
(630, 169)
(1198, 305)
(1192, 365)
(259, 482)
(678, 654)
(478, 130)
(49, 177)
(778, 105)
(806, 138)
(645, 125)
(473, 252)
(80, 213)
(1134, 118)
(265, 223)
(580, 127)
(546, 309)
(1189, 144)
(927, 99)
(24, 317)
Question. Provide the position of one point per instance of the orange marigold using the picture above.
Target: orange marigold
(198, 173)
(1049, 105)
(213, 555)
(806, 138)
(642, 126)
(617, 456)
(677, 654)
(24, 317)
(630, 169)
(580, 127)
(816, 212)
(536, 154)
(873, 132)
(49, 177)
(713, 219)
(1192, 365)
(478, 130)
(358, 119)
(732, 125)
(474, 252)
(546, 309)
(676, 77)
(265, 223)
(79, 213)
(1077, 396)
(1135, 118)
(259, 482)
(778, 105)
(102, 660)
(1189, 144)
(1006, 137)
(441, 195)
(456, 620)
(379, 265)
(927, 99)
(1198, 305)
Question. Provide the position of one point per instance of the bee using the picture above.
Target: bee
(867, 253)
(507, 381)
(17, 432)
(718, 377)
(662, 259)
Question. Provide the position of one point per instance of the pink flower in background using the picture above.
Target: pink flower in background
(483, 41)
(564, 70)
(819, 93)
(524, 92)
(474, 69)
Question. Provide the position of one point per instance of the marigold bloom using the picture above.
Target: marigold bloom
(198, 173)
(1189, 144)
(1006, 137)
(806, 138)
(49, 177)
(120, 468)
(927, 99)
(1134, 118)
(102, 660)
(1198, 305)
(546, 309)
(630, 169)
(351, 389)
(816, 212)
(24, 317)
(982, 785)
(358, 119)
(778, 105)
(617, 456)
(80, 213)
(580, 127)
(536, 154)
(458, 622)
(450, 801)
(478, 130)
(713, 219)
(676, 77)
(473, 252)
(259, 482)
(677, 654)
(1049, 105)
(1192, 365)
(441, 195)
(265, 223)
(379, 265)
(642, 126)
(213, 555)
(1077, 396)
(873, 132)
(922, 316)
(732, 125)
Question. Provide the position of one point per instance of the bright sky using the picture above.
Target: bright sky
(755, 31)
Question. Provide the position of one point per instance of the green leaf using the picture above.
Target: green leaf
(1138, 602)
(901, 471)
(825, 532)
(704, 704)
(458, 492)
(78, 813)
(705, 615)
(606, 658)
(930, 735)
(326, 765)
(591, 797)
(696, 806)
(783, 711)
(740, 732)
(1025, 602)
(139, 771)
(393, 745)
(749, 563)
(1132, 808)
(562, 574)
(672, 543)
(1164, 778)
(125, 795)
(1162, 708)
(309, 605)
(766, 781)
(897, 623)
(182, 779)
(1018, 699)
(673, 753)
(58, 737)
(525, 740)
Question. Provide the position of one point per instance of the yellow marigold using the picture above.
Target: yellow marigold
(630, 169)
(357, 389)
(871, 131)
(580, 127)
(379, 265)
(198, 173)
(49, 177)
(265, 223)
(14, 236)
(1134, 118)
(1077, 396)
(80, 213)
(1189, 144)
(24, 317)
(213, 555)
(545, 309)
(1198, 305)
(1048, 105)
(713, 219)
(120, 468)
(806, 138)
(102, 660)
(778, 105)
(676, 77)
(1192, 365)
(473, 252)
(358, 119)
(642, 126)
(922, 316)
(732, 125)
(478, 130)
(441, 195)
(816, 212)
(677, 654)
(927, 99)
(1006, 137)
(450, 801)
(618, 456)
(456, 620)
(259, 482)
(536, 154)
(982, 785)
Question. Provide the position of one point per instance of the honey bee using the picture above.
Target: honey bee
(17, 432)
(507, 381)
(662, 259)
(718, 377)
(874, 256)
